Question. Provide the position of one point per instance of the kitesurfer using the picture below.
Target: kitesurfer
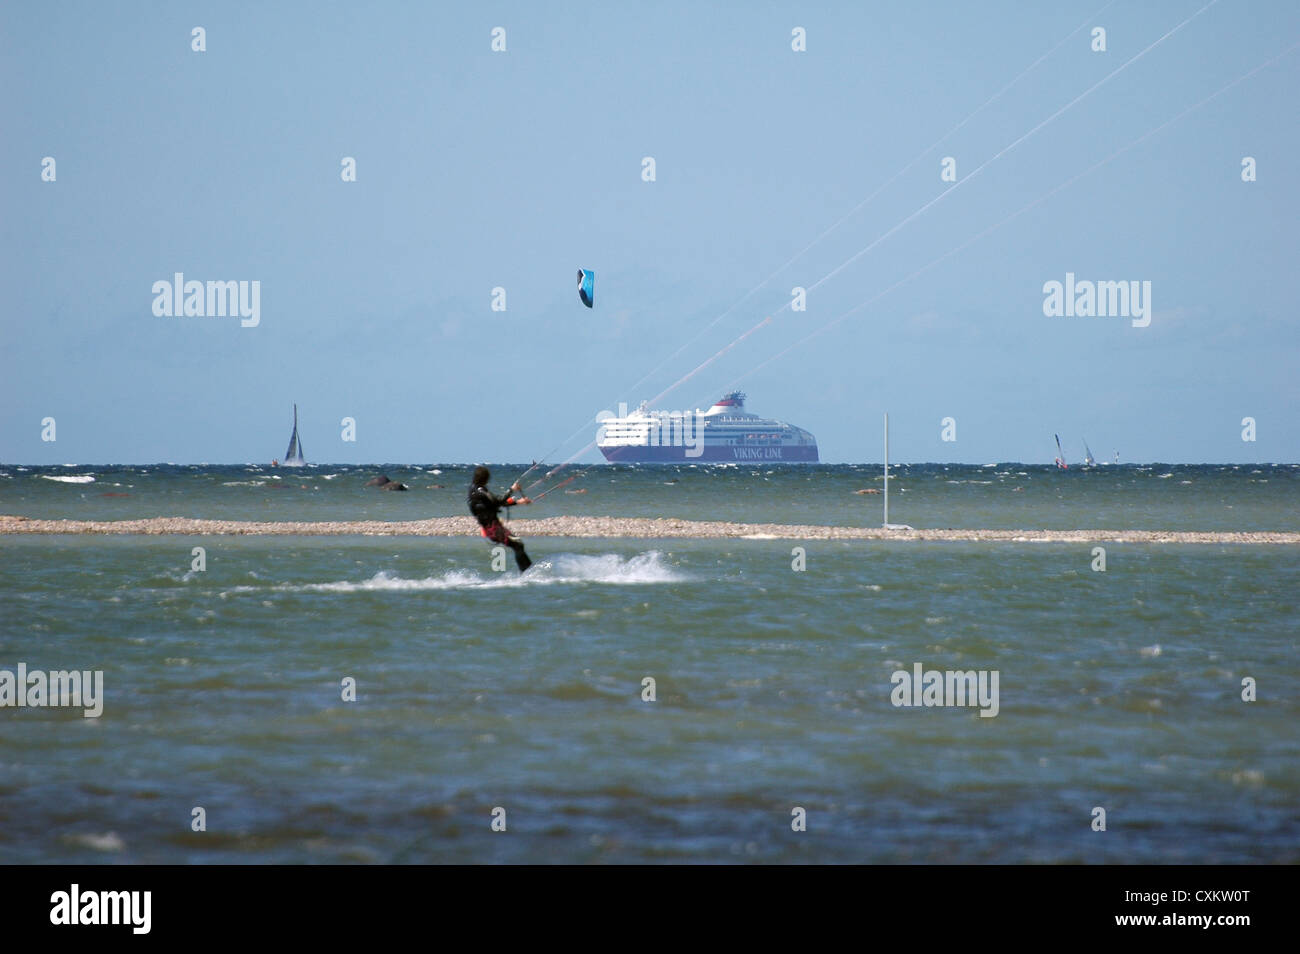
(484, 505)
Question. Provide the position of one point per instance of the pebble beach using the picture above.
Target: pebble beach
(646, 528)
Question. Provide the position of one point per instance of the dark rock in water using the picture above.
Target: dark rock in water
(383, 483)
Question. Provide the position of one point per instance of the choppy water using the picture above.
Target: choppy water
(477, 689)
(996, 496)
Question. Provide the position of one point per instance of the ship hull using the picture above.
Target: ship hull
(631, 454)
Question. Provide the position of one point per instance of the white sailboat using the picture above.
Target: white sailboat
(293, 456)
(1088, 460)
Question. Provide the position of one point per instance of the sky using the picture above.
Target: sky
(481, 169)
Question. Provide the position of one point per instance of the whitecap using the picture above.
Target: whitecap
(608, 568)
(109, 841)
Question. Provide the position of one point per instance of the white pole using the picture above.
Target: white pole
(886, 468)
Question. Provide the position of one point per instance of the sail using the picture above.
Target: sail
(1060, 454)
(294, 454)
(1088, 459)
(587, 286)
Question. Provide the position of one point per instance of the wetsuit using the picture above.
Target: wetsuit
(485, 507)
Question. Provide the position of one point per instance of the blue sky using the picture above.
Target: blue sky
(478, 169)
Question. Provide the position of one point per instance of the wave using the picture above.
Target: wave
(70, 478)
(608, 568)
(108, 841)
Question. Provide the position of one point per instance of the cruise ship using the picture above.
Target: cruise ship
(725, 432)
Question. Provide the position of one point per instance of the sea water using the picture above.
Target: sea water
(482, 697)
